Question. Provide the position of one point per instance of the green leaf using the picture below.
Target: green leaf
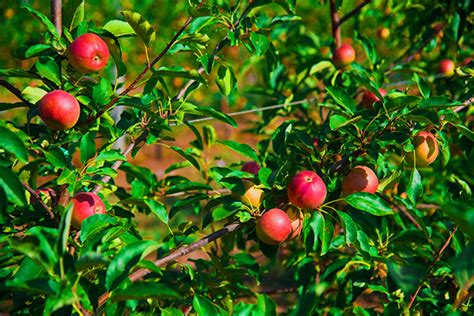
(11, 143)
(242, 149)
(158, 209)
(342, 98)
(187, 156)
(187, 186)
(87, 147)
(312, 228)
(16, 73)
(141, 26)
(143, 290)
(369, 203)
(12, 187)
(101, 92)
(43, 19)
(126, 259)
(260, 42)
(119, 28)
(110, 155)
(350, 228)
(415, 187)
(423, 86)
(326, 236)
(177, 71)
(203, 306)
(64, 229)
(218, 115)
(55, 156)
(36, 50)
(49, 69)
(95, 223)
(78, 16)
(225, 80)
(280, 136)
(319, 67)
(465, 131)
(337, 121)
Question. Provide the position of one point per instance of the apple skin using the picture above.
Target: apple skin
(296, 219)
(59, 110)
(307, 190)
(383, 33)
(253, 196)
(273, 227)
(426, 149)
(85, 204)
(360, 179)
(88, 53)
(251, 167)
(343, 55)
(369, 98)
(446, 67)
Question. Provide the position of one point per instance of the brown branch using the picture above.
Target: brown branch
(15, 91)
(40, 201)
(435, 260)
(336, 30)
(409, 216)
(118, 163)
(56, 12)
(356, 10)
(178, 253)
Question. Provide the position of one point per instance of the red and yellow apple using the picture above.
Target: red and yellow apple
(253, 196)
(446, 67)
(383, 33)
(85, 204)
(274, 226)
(369, 98)
(343, 55)
(88, 53)
(426, 149)
(360, 179)
(296, 219)
(59, 110)
(307, 190)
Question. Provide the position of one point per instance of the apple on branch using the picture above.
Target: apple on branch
(85, 204)
(59, 110)
(307, 190)
(426, 149)
(88, 53)
(274, 226)
(360, 179)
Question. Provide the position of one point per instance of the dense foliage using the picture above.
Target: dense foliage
(405, 248)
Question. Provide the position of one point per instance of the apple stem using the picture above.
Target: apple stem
(56, 12)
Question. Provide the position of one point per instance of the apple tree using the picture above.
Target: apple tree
(352, 195)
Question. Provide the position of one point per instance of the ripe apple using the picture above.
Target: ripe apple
(273, 227)
(296, 218)
(251, 167)
(446, 67)
(343, 55)
(426, 149)
(59, 110)
(88, 53)
(85, 204)
(369, 98)
(253, 196)
(360, 179)
(307, 190)
(383, 33)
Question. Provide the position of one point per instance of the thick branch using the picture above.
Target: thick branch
(40, 201)
(353, 12)
(139, 274)
(336, 30)
(15, 91)
(56, 12)
(435, 260)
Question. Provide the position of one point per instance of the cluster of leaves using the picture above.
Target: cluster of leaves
(361, 254)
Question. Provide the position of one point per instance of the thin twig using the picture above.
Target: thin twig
(178, 253)
(56, 12)
(40, 201)
(15, 91)
(336, 30)
(409, 216)
(435, 260)
(353, 12)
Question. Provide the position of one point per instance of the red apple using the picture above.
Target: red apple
(383, 33)
(360, 179)
(307, 190)
(273, 227)
(426, 149)
(446, 67)
(253, 196)
(85, 204)
(296, 219)
(59, 110)
(369, 98)
(343, 55)
(251, 167)
(88, 53)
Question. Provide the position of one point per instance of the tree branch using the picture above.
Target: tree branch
(56, 12)
(435, 260)
(353, 12)
(40, 201)
(15, 91)
(180, 252)
(336, 30)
